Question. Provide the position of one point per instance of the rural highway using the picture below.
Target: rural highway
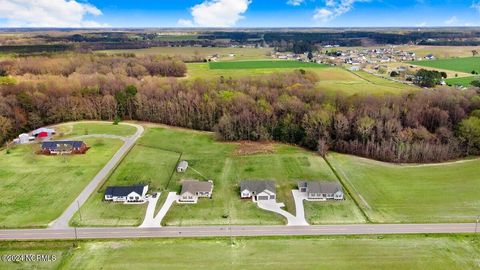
(227, 231)
(62, 221)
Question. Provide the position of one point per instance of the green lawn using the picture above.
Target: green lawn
(466, 64)
(37, 189)
(403, 194)
(332, 80)
(463, 81)
(88, 128)
(353, 252)
(157, 154)
(224, 53)
(263, 65)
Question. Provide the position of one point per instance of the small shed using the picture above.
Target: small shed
(23, 138)
(182, 166)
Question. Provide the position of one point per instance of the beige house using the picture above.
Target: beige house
(193, 189)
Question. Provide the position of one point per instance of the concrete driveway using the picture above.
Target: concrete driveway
(152, 221)
(273, 206)
(62, 221)
(299, 197)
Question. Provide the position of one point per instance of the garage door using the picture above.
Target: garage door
(262, 198)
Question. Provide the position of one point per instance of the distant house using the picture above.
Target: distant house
(430, 57)
(126, 194)
(43, 132)
(182, 166)
(63, 147)
(193, 189)
(258, 190)
(321, 190)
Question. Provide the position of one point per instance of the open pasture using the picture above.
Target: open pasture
(412, 193)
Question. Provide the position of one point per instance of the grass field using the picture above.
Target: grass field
(466, 64)
(263, 65)
(403, 194)
(332, 79)
(224, 53)
(440, 51)
(361, 252)
(32, 184)
(87, 128)
(222, 163)
(464, 81)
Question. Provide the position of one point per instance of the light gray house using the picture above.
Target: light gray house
(321, 191)
(127, 194)
(258, 190)
(193, 189)
(182, 166)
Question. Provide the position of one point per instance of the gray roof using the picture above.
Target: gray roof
(182, 164)
(54, 145)
(258, 186)
(40, 130)
(124, 191)
(321, 187)
(194, 186)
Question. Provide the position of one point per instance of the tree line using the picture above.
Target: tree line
(422, 126)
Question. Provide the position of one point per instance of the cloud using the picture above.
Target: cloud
(217, 13)
(334, 8)
(452, 21)
(422, 24)
(47, 13)
(295, 2)
(476, 5)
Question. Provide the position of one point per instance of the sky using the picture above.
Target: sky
(239, 13)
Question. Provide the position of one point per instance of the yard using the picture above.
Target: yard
(412, 193)
(226, 164)
(466, 64)
(464, 81)
(88, 128)
(353, 252)
(32, 183)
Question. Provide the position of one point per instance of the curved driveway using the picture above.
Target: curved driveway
(62, 221)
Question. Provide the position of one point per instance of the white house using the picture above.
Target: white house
(321, 191)
(193, 189)
(258, 190)
(127, 194)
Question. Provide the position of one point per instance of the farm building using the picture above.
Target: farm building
(63, 147)
(258, 190)
(321, 191)
(23, 138)
(43, 132)
(126, 194)
(193, 189)
(182, 166)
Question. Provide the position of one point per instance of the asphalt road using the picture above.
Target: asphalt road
(62, 221)
(226, 231)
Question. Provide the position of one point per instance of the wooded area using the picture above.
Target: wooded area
(424, 126)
